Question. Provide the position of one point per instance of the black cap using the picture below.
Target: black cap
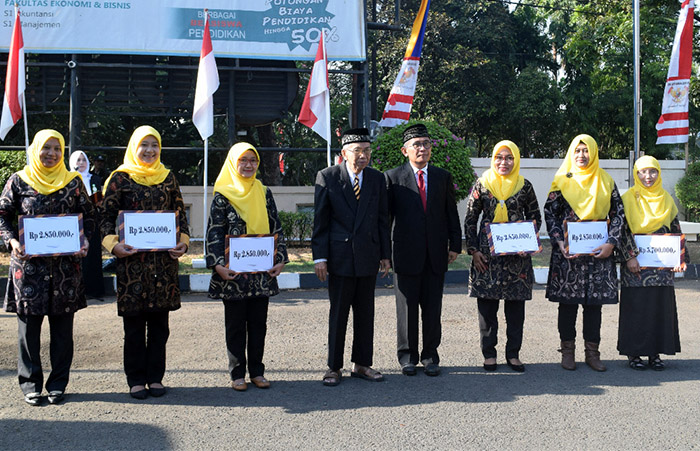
(355, 135)
(100, 158)
(415, 131)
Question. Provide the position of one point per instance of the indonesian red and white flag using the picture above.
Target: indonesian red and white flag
(398, 105)
(207, 84)
(15, 82)
(673, 127)
(316, 109)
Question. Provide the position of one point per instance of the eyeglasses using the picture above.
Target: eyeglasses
(246, 161)
(359, 150)
(499, 159)
(427, 145)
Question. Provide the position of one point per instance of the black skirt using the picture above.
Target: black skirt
(648, 322)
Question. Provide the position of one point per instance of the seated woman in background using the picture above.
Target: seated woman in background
(648, 316)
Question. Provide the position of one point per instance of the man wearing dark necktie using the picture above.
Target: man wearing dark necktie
(426, 237)
(350, 242)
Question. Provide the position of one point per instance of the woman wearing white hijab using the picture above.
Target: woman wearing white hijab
(79, 162)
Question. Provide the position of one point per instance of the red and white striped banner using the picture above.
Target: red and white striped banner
(673, 127)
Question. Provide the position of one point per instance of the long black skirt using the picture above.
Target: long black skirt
(648, 322)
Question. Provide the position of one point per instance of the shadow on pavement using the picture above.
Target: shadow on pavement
(72, 435)
(456, 384)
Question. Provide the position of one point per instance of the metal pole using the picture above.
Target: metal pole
(637, 97)
(74, 114)
(204, 184)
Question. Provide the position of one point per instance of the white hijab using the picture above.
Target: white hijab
(86, 176)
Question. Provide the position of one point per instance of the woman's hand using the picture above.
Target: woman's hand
(562, 248)
(276, 270)
(84, 249)
(680, 268)
(122, 250)
(178, 251)
(633, 266)
(227, 274)
(18, 250)
(480, 261)
(603, 251)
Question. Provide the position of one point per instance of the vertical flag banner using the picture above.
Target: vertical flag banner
(316, 109)
(398, 106)
(207, 84)
(672, 127)
(15, 81)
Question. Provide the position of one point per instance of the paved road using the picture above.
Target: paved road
(544, 408)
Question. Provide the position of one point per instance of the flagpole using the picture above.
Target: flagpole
(328, 106)
(204, 183)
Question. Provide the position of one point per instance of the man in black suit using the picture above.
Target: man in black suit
(426, 238)
(350, 242)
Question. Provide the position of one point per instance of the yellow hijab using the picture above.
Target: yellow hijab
(587, 190)
(46, 180)
(141, 173)
(647, 209)
(246, 194)
(503, 187)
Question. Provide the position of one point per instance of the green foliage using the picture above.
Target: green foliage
(297, 227)
(10, 162)
(688, 191)
(449, 152)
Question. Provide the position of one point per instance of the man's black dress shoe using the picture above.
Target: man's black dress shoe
(432, 369)
(409, 369)
(517, 368)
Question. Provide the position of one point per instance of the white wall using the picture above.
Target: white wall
(538, 171)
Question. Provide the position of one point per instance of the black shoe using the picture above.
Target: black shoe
(141, 394)
(636, 363)
(517, 368)
(33, 399)
(491, 366)
(156, 392)
(56, 396)
(409, 369)
(432, 369)
(656, 363)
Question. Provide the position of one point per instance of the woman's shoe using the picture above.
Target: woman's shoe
(260, 382)
(33, 399)
(518, 368)
(491, 366)
(636, 363)
(656, 363)
(138, 392)
(56, 396)
(156, 392)
(239, 385)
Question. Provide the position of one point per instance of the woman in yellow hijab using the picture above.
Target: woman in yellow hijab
(501, 194)
(648, 317)
(242, 205)
(147, 282)
(581, 190)
(44, 285)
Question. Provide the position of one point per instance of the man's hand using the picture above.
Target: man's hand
(451, 257)
(384, 266)
(321, 269)
(563, 251)
(18, 250)
(480, 262)
(178, 251)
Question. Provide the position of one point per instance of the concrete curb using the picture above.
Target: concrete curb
(199, 283)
